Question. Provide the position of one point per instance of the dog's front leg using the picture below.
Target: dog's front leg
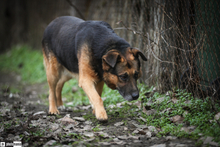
(89, 87)
(90, 83)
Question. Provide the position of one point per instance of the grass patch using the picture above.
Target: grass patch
(24, 61)
(199, 114)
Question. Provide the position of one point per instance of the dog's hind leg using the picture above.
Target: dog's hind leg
(53, 75)
(59, 87)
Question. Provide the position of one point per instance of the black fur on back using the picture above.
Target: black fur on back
(65, 35)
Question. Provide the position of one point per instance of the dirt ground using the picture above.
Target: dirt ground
(24, 118)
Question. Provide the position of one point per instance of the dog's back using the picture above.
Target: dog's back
(58, 38)
(65, 35)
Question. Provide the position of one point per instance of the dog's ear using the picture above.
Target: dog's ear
(136, 52)
(111, 58)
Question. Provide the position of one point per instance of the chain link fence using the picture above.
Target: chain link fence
(180, 39)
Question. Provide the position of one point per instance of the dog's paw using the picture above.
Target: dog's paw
(101, 115)
(54, 111)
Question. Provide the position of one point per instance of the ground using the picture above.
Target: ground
(24, 117)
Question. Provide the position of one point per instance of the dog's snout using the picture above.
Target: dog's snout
(135, 95)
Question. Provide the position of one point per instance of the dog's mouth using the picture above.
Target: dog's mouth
(130, 97)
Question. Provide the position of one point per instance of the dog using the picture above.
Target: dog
(92, 52)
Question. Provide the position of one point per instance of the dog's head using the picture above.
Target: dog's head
(121, 71)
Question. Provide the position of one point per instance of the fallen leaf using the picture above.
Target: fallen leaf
(102, 134)
(138, 104)
(152, 129)
(177, 119)
(185, 129)
(54, 126)
(118, 124)
(88, 134)
(39, 113)
(143, 119)
(148, 134)
(174, 100)
(140, 126)
(217, 116)
(150, 112)
(123, 137)
(79, 118)
(209, 141)
(159, 100)
(66, 120)
(86, 107)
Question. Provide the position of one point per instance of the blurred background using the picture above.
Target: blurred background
(181, 39)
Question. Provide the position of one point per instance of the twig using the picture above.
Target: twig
(135, 32)
(77, 10)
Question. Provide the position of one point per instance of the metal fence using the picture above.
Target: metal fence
(180, 38)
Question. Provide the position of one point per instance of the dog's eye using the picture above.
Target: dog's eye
(136, 75)
(124, 77)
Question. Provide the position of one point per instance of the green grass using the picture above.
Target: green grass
(24, 61)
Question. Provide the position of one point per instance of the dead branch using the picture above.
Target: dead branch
(77, 10)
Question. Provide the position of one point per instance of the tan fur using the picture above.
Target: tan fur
(57, 75)
(89, 82)
(129, 55)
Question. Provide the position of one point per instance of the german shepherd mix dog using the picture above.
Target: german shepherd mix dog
(91, 50)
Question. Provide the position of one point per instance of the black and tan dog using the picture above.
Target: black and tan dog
(91, 50)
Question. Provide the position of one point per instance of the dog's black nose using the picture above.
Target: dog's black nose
(135, 95)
